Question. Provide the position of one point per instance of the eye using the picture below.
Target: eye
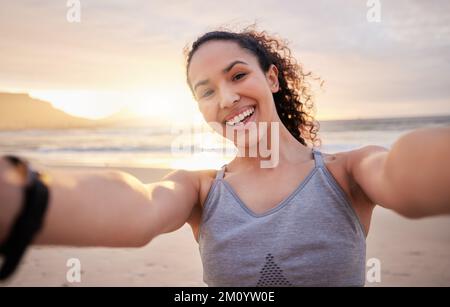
(207, 93)
(240, 75)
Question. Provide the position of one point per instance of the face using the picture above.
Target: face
(233, 93)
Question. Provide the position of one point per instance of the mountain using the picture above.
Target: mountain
(20, 111)
(128, 118)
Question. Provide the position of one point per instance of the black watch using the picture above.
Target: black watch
(28, 222)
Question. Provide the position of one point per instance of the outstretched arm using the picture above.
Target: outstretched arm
(412, 178)
(102, 208)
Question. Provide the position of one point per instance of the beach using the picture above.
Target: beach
(410, 253)
(150, 87)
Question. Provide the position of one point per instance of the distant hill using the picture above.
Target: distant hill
(20, 111)
(128, 118)
(124, 118)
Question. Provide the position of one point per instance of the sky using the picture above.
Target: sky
(128, 54)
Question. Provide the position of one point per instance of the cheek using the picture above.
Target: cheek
(265, 102)
(259, 90)
(209, 111)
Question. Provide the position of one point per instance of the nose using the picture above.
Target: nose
(228, 97)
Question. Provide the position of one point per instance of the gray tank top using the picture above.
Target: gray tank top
(312, 238)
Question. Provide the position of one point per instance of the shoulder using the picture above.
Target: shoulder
(367, 159)
(357, 155)
(360, 165)
(197, 178)
(343, 166)
(200, 179)
(350, 159)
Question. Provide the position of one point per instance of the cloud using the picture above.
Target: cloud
(138, 44)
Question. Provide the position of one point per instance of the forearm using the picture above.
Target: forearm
(418, 168)
(89, 208)
(99, 208)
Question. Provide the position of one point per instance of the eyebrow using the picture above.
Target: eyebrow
(224, 71)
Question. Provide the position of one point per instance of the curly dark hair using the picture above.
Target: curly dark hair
(294, 101)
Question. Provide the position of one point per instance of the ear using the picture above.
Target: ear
(272, 78)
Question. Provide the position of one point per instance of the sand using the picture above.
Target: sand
(411, 253)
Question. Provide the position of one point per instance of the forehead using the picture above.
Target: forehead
(213, 56)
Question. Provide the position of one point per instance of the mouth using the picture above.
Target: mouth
(240, 120)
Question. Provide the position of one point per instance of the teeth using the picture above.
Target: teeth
(240, 117)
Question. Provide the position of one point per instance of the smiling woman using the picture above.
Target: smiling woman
(290, 83)
(301, 222)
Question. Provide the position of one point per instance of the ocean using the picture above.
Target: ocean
(160, 146)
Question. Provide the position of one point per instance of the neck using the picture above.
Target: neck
(290, 151)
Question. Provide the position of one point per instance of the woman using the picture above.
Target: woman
(301, 221)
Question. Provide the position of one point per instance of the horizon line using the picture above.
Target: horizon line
(140, 117)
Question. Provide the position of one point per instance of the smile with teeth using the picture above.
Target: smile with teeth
(238, 119)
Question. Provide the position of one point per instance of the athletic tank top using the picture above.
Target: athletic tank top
(312, 238)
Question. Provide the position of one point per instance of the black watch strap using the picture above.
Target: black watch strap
(28, 222)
